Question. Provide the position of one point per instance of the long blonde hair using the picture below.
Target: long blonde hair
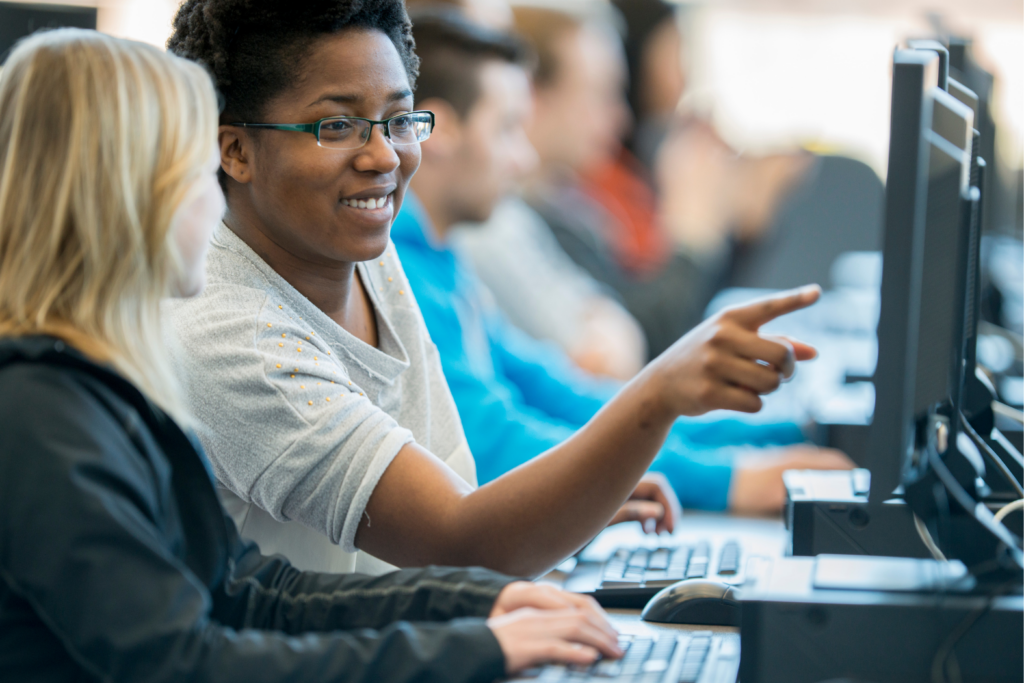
(101, 141)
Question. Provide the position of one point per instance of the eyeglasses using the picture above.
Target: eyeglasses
(352, 132)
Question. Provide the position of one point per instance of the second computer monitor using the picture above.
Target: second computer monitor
(915, 73)
(940, 257)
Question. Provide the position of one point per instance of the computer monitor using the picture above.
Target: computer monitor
(941, 50)
(940, 258)
(965, 69)
(939, 478)
(975, 398)
(19, 20)
(1005, 468)
(921, 118)
(915, 73)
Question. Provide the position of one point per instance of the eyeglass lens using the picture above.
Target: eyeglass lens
(344, 133)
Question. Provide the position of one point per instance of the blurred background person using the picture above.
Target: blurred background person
(541, 290)
(518, 397)
(496, 14)
(600, 203)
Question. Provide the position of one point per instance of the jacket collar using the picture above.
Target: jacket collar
(191, 472)
(51, 350)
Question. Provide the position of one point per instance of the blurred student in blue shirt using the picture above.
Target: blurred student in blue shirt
(518, 397)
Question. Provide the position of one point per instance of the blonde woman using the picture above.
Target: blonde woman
(117, 561)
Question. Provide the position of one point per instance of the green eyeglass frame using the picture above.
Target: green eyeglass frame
(331, 135)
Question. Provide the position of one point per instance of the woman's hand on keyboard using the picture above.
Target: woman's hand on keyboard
(653, 503)
(529, 637)
(520, 594)
(535, 624)
(724, 363)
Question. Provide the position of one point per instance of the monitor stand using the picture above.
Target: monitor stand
(829, 512)
(879, 619)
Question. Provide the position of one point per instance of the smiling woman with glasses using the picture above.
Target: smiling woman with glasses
(323, 406)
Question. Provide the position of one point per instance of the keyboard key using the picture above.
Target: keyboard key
(640, 648)
(639, 558)
(730, 646)
(654, 666)
(694, 657)
(689, 673)
(697, 570)
(729, 562)
(553, 674)
(661, 583)
(678, 563)
(663, 650)
(659, 560)
(608, 668)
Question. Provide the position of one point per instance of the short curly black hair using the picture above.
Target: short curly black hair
(255, 48)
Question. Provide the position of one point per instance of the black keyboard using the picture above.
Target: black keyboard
(683, 657)
(660, 567)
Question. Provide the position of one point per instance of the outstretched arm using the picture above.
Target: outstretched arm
(531, 518)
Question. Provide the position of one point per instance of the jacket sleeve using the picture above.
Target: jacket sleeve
(81, 540)
(268, 593)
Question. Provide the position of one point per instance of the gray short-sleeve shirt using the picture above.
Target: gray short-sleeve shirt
(300, 418)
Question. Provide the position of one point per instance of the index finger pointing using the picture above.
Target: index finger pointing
(753, 315)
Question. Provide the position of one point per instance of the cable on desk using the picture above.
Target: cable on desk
(945, 657)
(927, 539)
(992, 456)
(1006, 411)
(1008, 508)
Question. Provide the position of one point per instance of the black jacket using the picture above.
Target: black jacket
(117, 562)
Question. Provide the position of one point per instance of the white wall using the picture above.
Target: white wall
(781, 72)
(817, 73)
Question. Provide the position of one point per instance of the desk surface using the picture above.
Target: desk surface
(628, 621)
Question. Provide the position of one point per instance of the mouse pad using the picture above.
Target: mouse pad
(848, 572)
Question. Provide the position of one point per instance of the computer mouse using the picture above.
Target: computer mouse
(695, 601)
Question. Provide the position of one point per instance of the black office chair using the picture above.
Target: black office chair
(838, 208)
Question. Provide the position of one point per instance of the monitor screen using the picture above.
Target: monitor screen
(18, 20)
(915, 73)
(973, 298)
(938, 273)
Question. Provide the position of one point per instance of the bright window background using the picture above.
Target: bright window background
(818, 72)
(146, 20)
(774, 73)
